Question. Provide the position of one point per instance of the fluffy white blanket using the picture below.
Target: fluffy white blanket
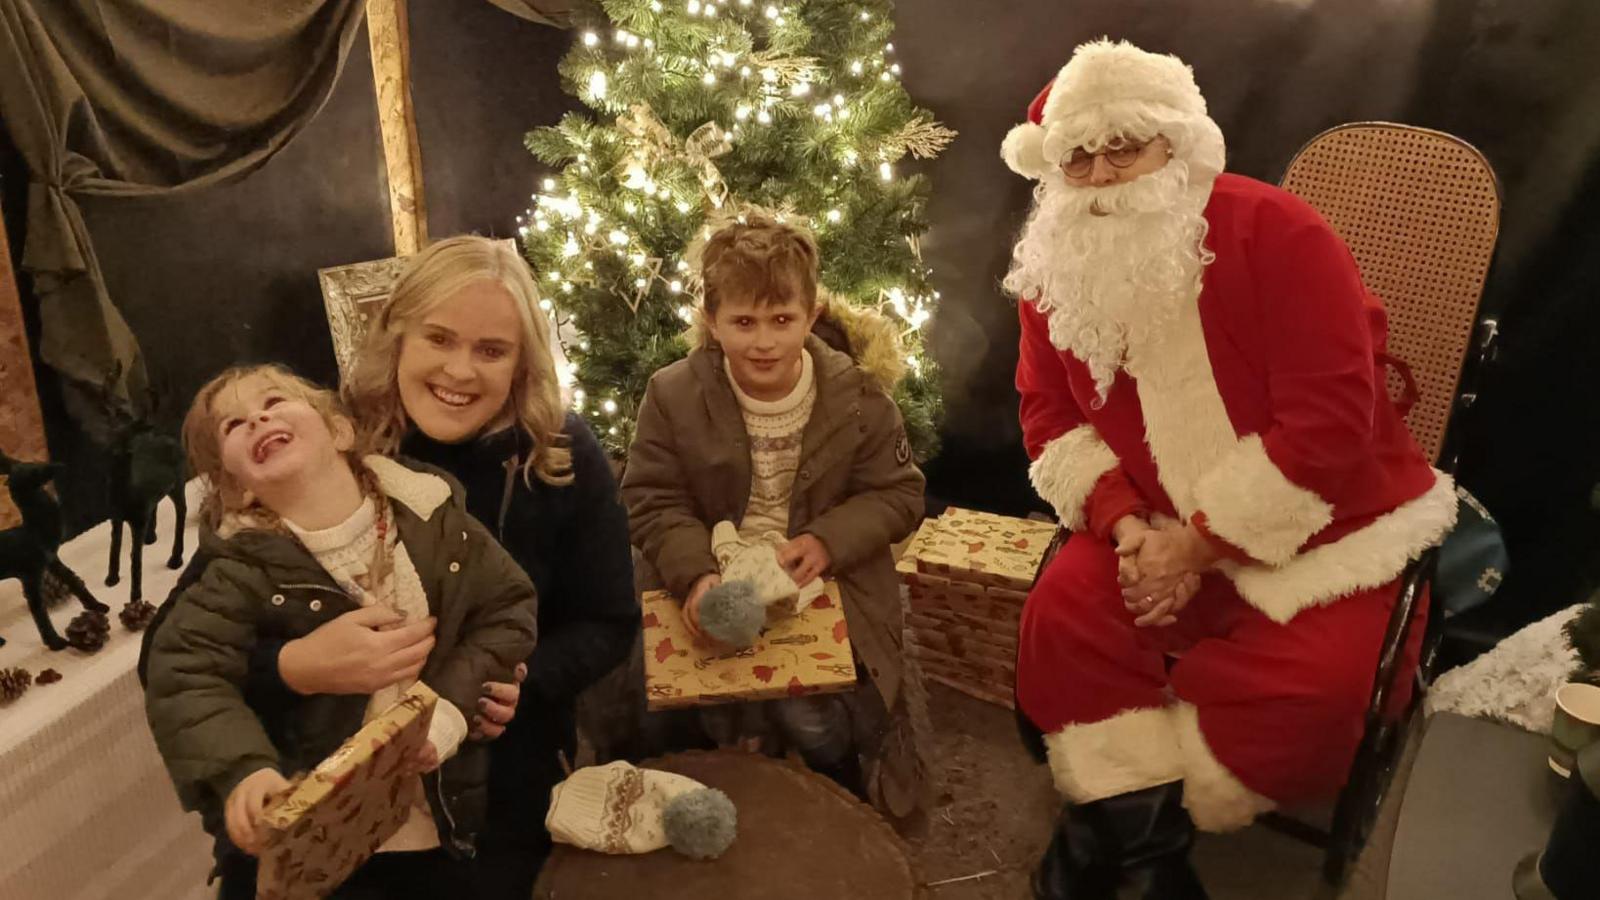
(1515, 682)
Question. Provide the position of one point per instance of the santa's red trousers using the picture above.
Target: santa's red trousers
(1280, 707)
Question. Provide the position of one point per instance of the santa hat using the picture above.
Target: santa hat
(1110, 88)
(617, 808)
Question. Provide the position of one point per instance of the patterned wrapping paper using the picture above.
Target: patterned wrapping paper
(337, 816)
(981, 548)
(805, 654)
(967, 576)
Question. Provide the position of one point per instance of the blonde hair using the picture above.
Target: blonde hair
(431, 277)
(761, 259)
(204, 447)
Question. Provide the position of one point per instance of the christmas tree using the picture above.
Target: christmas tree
(701, 109)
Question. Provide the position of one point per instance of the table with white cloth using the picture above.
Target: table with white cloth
(86, 808)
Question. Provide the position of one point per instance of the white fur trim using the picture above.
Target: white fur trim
(1215, 799)
(1249, 503)
(1105, 71)
(420, 492)
(1130, 751)
(1111, 88)
(1066, 471)
(1358, 561)
(1186, 425)
(1023, 151)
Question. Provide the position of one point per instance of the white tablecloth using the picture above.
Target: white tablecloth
(86, 809)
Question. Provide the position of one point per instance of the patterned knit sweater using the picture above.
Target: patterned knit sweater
(346, 552)
(776, 428)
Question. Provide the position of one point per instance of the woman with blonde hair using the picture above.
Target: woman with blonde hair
(457, 372)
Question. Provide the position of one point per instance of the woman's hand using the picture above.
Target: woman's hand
(245, 804)
(498, 706)
(357, 653)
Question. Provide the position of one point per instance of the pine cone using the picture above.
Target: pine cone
(48, 676)
(136, 614)
(13, 683)
(89, 631)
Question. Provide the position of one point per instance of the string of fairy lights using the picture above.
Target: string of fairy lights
(761, 88)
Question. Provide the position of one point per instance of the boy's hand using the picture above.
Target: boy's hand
(245, 803)
(805, 558)
(691, 606)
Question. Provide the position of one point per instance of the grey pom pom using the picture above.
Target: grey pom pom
(701, 824)
(731, 613)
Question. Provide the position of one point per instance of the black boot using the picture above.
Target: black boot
(1141, 838)
(1073, 867)
(1147, 834)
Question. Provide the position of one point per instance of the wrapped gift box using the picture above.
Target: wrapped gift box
(803, 654)
(967, 575)
(338, 815)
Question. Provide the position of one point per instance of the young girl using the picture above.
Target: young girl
(301, 531)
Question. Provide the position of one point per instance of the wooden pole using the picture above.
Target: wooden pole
(389, 36)
(21, 425)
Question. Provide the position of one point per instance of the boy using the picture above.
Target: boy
(301, 531)
(766, 426)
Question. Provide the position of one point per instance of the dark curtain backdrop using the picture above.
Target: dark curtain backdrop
(226, 274)
(230, 275)
(481, 78)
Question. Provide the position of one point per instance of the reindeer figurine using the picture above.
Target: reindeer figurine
(146, 466)
(28, 552)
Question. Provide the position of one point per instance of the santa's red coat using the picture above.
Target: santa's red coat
(1260, 413)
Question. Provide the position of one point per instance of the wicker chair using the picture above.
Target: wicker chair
(1420, 211)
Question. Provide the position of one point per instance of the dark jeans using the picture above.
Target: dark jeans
(425, 875)
(525, 763)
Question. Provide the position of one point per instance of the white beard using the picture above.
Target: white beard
(1113, 281)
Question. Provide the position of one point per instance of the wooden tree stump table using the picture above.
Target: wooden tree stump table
(801, 837)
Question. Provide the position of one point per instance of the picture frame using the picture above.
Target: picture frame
(354, 295)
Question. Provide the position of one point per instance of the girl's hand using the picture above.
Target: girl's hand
(244, 806)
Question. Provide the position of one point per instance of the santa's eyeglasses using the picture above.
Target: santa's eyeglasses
(1119, 153)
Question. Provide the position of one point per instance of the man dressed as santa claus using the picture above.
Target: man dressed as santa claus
(1204, 404)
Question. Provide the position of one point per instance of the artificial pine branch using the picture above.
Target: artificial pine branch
(809, 92)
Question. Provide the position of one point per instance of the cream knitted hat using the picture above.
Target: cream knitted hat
(618, 808)
(757, 562)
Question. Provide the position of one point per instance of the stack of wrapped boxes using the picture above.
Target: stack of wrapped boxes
(967, 575)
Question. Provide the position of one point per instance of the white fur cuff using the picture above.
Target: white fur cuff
(1130, 751)
(1249, 503)
(1066, 471)
(1359, 561)
(1215, 799)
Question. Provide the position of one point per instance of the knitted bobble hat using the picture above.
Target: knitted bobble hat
(619, 808)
